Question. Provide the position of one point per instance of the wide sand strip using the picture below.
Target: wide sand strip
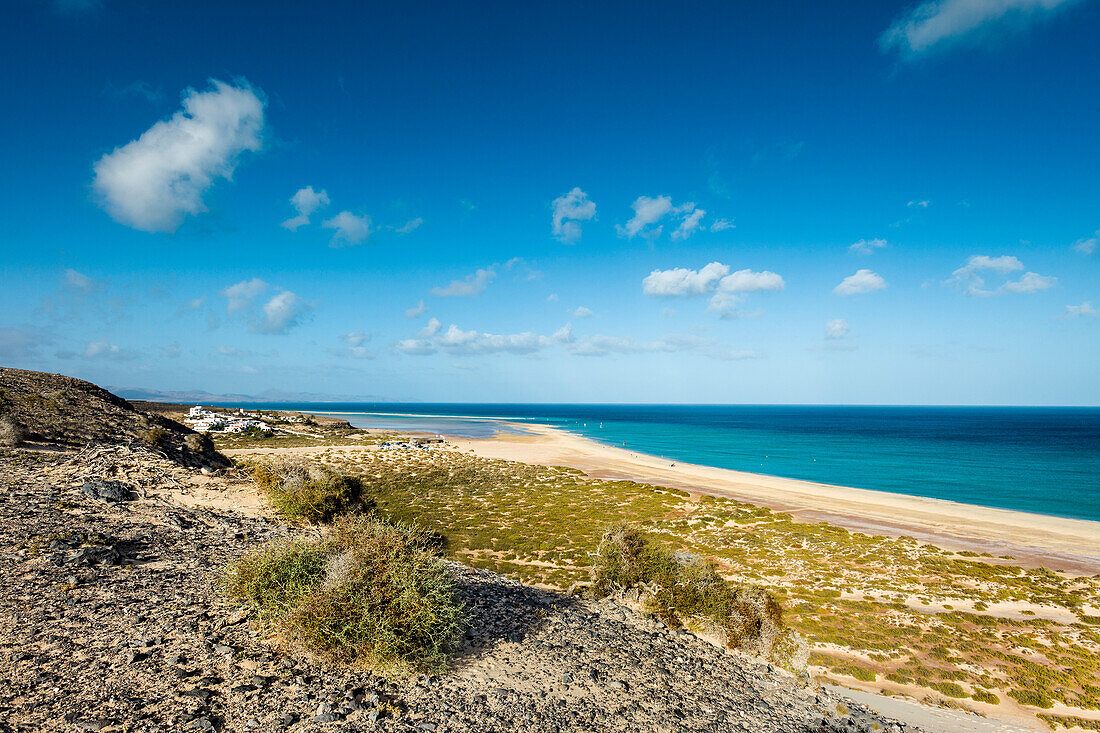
(1072, 545)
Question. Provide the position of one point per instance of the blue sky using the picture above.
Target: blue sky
(705, 202)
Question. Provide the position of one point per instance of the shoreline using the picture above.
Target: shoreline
(1070, 545)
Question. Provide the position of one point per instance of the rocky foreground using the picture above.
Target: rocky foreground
(111, 620)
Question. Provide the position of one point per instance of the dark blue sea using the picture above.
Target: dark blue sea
(1037, 459)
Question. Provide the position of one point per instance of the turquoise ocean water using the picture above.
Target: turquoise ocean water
(1042, 460)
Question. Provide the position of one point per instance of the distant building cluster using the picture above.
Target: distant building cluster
(206, 421)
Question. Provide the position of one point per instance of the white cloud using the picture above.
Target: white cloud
(472, 343)
(721, 225)
(350, 229)
(1031, 282)
(282, 312)
(1085, 310)
(241, 295)
(919, 204)
(736, 354)
(582, 312)
(837, 328)
(472, 285)
(226, 350)
(355, 338)
(79, 282)
(863, 281)
(649, 211)
(552, 298)
(431, 329)
(970, 278)
(682, 281)
(867, 246)
(1087, 245)
(410, 226)
(689, 225)
(564, 335)
(748, 281)
(599, 345)
(107, 350)
(305, 202)
(151, 183)
(418, 310)
(937, 23)
(570, 210)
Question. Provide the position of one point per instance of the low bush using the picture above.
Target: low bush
(684, 590)
(155, 437)
(374, 594)
(309, 492)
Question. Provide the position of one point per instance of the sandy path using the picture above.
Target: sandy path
(1072, 545)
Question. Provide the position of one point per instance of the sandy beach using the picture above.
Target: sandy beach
(1071, 545)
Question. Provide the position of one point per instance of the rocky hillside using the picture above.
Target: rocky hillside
(51, 408)
(111, 620)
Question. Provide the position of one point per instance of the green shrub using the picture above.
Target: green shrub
(951, 689)
(373, 594)
(1032, 698)
(684, 590)
(986, 697)
(311, 493)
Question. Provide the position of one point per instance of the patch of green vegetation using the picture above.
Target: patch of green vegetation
(951, 689)
(374, 594)
(1031, 697)
(308, 492)
(986, 697)
(682, 589)
(1069, 721)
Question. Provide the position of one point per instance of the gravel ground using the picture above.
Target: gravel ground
(110, 620)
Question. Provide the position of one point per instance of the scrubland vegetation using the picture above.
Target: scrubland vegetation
(371, 593)
(955, 628)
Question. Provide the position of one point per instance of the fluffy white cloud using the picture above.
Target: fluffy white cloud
(305, 202)
(919, 204)
(350, 229)
(689, 225)
(472, 343)
(431, 329)
(355, 338)
(469, 286)
(935, 23)
(837, 328)
(682, 281)
(736, 354)
(107, 350)
(241, 295)
(410, 226)
(970, 278)
(863, 281)
(867, 246)
(582, 312)
(1087, 245)
(1085, 310)
(1031, 282)
(749, 281)
(564, 335)
(646, 211)
(282, 312)
(721, 225)
(570, 210)
(649, 211)
(151, 183)
(416, 311)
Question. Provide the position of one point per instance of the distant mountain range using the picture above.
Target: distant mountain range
(198, 396)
